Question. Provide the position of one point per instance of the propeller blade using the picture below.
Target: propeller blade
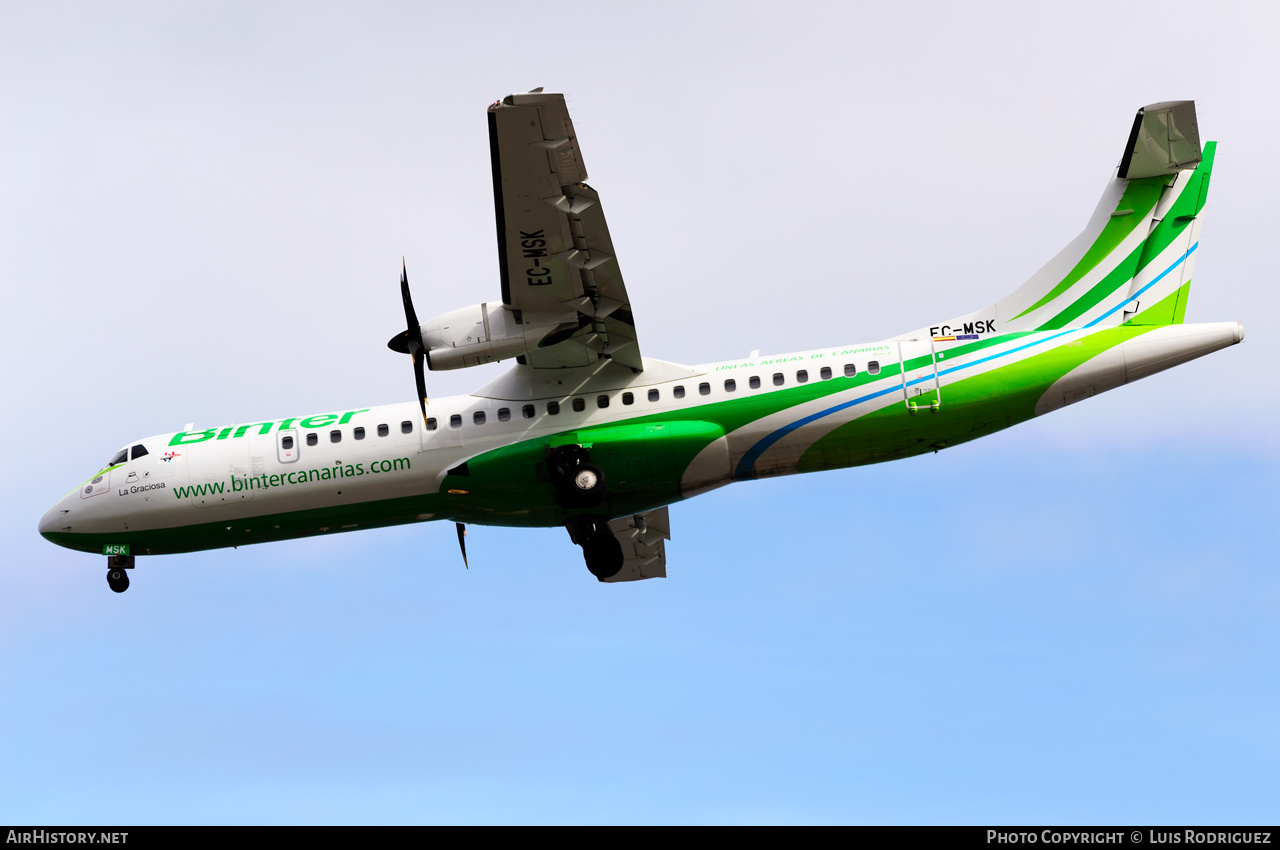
(410, 317)
(462, 543)
(421, 378)
(410, 342)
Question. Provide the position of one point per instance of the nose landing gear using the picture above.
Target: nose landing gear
(117, 578)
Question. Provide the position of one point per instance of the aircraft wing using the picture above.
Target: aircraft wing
(554, 250)
(643, 538)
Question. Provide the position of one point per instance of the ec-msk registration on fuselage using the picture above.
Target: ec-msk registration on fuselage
(585, 433)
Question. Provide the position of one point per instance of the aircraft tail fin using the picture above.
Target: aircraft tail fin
(1133, 262)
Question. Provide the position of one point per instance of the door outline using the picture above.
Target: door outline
(926, 372)
(287, 455)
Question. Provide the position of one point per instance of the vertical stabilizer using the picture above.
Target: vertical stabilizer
(1133, 261)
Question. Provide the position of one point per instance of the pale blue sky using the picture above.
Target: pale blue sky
(204, 209)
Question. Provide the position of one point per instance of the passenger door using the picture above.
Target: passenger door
(921, 389)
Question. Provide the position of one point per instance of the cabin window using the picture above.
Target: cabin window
(754, 382)
(579, 405)
(528, 411)
(406, 427)
(312, 439)
(704, 389)
(628, 398)
(802, 377)
(335, 436)
(455, 421)
(730, 385)
(678, 392)
(602, 401)
(654, 395)
(850, 370)
(825, 374)
(383, 430)
(358, 433)
(138, 451)
(120, 457)
(504, 414)
(478, 417)
(778, 379)
(553, 407)
(286, 442)
(873, 368)
(432, 424)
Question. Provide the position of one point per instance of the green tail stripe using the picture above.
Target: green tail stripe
(1183, 210)
(1180, 308)
(1120, 275)
(1175, 222)
(1140, 196)
(1168, 311)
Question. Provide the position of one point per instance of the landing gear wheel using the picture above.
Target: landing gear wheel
(118, 580)
(603, 554)
(588, 484)
(579, 482)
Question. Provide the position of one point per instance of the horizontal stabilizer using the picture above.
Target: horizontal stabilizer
(1164, 139)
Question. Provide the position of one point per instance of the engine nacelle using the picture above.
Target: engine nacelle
(483, 333)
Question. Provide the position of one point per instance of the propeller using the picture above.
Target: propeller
(462, 543)
(410, 342)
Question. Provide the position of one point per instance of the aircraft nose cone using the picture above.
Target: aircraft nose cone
(53, 519)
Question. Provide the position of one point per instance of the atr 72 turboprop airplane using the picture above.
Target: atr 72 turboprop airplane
(586, 433)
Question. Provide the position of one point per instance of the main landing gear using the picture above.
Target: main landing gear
(117, 578)
(579, 482)
(600, 549)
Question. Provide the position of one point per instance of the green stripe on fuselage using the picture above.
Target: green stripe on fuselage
(259, 529)
(971, 408)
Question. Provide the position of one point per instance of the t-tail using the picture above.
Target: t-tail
(1133, 262)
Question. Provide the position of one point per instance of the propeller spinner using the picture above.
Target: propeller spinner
(410, 341)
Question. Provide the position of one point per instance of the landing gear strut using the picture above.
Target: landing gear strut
(117, 578)
(580, 484)
(600, 549)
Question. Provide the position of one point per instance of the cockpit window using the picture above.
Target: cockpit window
(120, 457)
(137, 451)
